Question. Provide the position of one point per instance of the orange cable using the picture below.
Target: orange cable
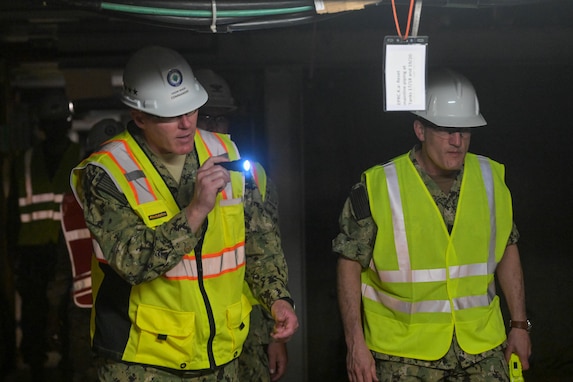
(396, 19)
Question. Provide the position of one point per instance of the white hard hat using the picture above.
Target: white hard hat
(159, 81)
(451, 101)
(217, 89)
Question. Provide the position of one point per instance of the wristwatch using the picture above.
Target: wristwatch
(290, 301)
(525, 325)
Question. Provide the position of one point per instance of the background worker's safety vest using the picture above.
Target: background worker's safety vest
(194, 316)
(423, 282)
(39, 197)
(80, 248)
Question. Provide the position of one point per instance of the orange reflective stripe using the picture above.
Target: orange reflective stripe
(255, 176)
(198, 132)
(209, 145)
(214, 264)
(222, 143)
(130, 160)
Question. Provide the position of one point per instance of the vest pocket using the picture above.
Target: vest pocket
(165, 336)
(238, 320)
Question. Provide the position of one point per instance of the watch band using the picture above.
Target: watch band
(290, 301)
(525, 325)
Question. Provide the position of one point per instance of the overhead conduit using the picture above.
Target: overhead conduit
(209, 16)
(222, 16)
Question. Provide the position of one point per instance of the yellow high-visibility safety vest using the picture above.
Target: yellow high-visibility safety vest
(169, 320)
(423, 282)
(39, 197)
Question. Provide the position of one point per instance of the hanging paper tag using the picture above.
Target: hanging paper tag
(405, 73)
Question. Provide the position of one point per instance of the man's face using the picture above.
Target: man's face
(443, 149)
(172, 135)
(215, 120)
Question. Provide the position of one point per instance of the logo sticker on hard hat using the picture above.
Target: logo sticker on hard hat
(174, 77)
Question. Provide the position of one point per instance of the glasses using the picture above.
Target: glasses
(445, 132)
(207, 118)
(158, 119)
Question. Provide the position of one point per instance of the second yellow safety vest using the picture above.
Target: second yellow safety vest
(423, 282)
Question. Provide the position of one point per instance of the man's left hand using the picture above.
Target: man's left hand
(518, 342)
(286, 322)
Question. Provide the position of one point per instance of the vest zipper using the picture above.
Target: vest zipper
(212, 328)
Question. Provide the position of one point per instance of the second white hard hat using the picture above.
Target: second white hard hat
(451, 101)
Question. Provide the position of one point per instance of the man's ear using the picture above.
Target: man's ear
(420, 130)
(138, 118)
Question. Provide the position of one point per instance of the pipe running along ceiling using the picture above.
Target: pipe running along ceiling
(223, 16)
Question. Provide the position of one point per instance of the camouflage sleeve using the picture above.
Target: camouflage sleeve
(514, 235)
(136, 252)
(266, 271)
(356, 238)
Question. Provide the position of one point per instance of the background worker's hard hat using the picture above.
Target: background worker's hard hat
(451, 101)
(220, 96)
(55, 106)
(102, 131)
(159, 81)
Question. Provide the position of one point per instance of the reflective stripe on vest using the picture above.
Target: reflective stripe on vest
(260, 178)
(32, 200)
(40, 193)
(120, 153)
(407, 275)
(79, 243)
(214, 146)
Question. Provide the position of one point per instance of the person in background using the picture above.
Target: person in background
(73, 274)
(262, 358)
(41, 179)
(423, 238)
(177, 234)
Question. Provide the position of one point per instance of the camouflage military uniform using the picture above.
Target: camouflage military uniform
(253, 361)
(356, 242)
(139, 254)
(110, 371)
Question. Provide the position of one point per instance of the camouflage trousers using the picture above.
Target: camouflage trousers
(254, 361)
(110, 371)
(491, 368)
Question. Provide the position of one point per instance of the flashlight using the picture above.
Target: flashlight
(515, 373)
(240, 165)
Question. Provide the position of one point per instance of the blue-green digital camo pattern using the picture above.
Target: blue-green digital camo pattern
(253, 361)
(111, 371)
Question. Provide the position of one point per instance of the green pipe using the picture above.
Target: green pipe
(198, 13)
